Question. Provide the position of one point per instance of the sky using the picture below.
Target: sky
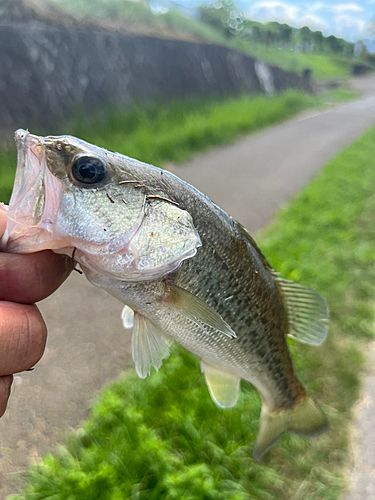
(344, 18)
(348, 19)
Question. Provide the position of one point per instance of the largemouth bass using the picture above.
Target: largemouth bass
(185, 270)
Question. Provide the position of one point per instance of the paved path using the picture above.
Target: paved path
(362, 483)
(87, 346)
(254, 176)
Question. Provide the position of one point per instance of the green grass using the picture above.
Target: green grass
(164, 438)
(172, 133)
(169, 133)
(323, 66)
(164, 133)
(136, 17)
(7, 170)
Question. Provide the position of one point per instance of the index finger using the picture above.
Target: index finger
(28, 278)
(32, 277)
(3, 218)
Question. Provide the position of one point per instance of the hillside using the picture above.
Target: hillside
(290, 48)
(138, 18)
(20, 11)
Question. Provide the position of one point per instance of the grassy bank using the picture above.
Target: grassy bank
(172, 133)
(164, 438)
(169, 133)
(136, 17)
(323, 66)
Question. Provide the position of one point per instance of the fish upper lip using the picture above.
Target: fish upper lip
(21, 136)
(25, 140)
(27, 144)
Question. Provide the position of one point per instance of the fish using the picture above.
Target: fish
(185, 270)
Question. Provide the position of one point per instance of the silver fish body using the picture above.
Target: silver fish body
(190, 273)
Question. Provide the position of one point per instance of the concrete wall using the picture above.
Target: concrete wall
(46, 72)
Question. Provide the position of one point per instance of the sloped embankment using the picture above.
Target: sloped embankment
(50, 70)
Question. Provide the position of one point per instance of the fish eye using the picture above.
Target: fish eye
(88, 170)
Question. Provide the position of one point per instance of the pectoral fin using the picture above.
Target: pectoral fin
(149, 346)
(197, 310)
(224, 388)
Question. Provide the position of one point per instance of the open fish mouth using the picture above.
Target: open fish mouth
(110, 228)
(35, 198)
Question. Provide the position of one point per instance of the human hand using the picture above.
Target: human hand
(24, 279)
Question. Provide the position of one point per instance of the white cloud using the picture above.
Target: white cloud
(346, 7)
(283, 11)
(347, 22)
(318, 6)
(273, 9)
(313, 21)
(346, 19)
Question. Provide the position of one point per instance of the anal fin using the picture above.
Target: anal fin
(224, 388)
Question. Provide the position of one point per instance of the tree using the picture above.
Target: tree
(285, 33)
(223, 16)
(305, 38)
(318, 40)
(333, 43)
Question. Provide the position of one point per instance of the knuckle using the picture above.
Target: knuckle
(35, 334)
(22, 337)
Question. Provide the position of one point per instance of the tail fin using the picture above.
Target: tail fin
(304, 418)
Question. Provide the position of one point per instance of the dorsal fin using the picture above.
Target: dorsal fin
(308, 313)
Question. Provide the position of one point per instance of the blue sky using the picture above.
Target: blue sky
(348, 19)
